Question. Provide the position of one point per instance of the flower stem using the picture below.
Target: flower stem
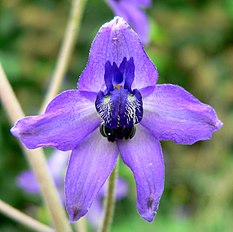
(80, 225)
(23, 218)
(36, 159)
(109, 202)
(71, 33)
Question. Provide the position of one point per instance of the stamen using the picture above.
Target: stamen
(118, 133)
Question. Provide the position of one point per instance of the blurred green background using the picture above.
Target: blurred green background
(191, 45)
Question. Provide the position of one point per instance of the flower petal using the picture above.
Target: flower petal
(143, 155)
(56, 165)
(27, 181)
(135, 16)
(171, 113)
(121, 188)
(68, 119)
(96, 212)
(90, 165)
(115, 41)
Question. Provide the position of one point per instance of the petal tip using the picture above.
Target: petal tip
(14, 131)
(218, 125)
(150, 211)
(75, 214)
(117, 23)
(149, 216)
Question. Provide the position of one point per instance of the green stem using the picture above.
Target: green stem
(23, 218)
(80, 225)
(109, 202)
(65, 53)
(36, 159)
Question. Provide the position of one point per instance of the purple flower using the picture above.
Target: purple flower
(57, 164)
(131, 11)
(118, 108)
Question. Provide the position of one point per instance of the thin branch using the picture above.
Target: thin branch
(23, 218)
(36, 159)
(71, 34)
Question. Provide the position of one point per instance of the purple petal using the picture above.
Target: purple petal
(139, 3)
(121, 189)
(114, 41)
(56, 165)
(90, 165)
(143, 155)
(27, 181)
(171, 113)
(96, 212)
(68, 119)
(135, 16)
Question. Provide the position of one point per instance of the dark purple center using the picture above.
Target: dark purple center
(119, 106)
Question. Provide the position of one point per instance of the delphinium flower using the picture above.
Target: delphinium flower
(118, 108)
(132, 12)
(57, 163)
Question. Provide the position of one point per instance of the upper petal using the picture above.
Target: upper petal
(114, 41)
(90, 165)
(171, 113)
(68, 119)
(143, 155)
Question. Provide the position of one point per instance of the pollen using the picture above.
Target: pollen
(117, 86)
(106, 99)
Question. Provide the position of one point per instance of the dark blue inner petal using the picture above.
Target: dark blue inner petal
(122, 65)
(117, 75)
(129, 73)
(108, 107)
(130, 110)
(119, 106)
(108, 76)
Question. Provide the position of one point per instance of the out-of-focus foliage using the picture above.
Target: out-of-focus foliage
(191, 45)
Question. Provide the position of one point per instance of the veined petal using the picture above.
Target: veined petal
(144, 157)
(134, 15)
(171, 113)
(115, 41)
(90, 165)
(68, 119)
